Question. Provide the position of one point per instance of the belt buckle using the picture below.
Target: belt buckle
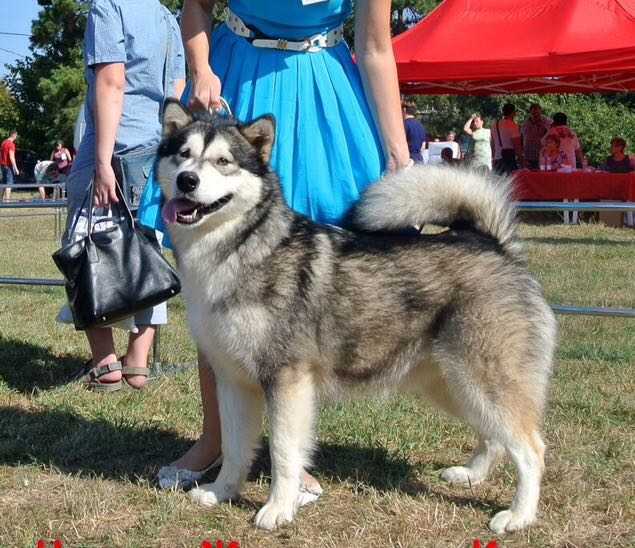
(312, 44)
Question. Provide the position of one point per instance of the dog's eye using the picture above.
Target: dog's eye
(185, 153)
(222, 161)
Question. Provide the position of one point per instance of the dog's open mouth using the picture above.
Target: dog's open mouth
(187, 212)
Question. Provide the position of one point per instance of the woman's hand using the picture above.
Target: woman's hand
(105, 187)
(397, 161)
(206, 89)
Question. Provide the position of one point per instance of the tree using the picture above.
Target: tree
(9, 116)
(49, 86)
(405, 13)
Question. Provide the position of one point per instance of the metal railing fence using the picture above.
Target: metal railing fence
(623, 207)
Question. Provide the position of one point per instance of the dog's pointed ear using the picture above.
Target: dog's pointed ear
(175, 117)
(261, 134)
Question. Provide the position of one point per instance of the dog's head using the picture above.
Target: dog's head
(210, 168)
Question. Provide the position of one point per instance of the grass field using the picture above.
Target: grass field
(80, 466)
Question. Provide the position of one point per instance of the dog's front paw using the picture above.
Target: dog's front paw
(272, 515)
(508, 521)
(210, 494)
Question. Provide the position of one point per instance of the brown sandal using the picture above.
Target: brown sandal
(92, 376)
(131, 371)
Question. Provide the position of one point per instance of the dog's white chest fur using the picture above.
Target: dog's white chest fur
(230, 334)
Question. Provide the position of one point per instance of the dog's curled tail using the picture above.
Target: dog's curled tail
(443, 196)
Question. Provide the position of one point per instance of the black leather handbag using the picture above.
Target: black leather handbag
(114, 273)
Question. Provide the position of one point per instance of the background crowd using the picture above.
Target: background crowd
(54, 171)
(538, 142)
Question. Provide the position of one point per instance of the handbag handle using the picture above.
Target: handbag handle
(90, 193)
(92, 199)
(81, 207)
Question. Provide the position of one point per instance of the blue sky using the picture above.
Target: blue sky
(15, 16)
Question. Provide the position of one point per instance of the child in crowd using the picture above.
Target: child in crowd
(551, 157)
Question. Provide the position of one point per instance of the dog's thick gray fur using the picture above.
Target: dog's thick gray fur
(287, 311)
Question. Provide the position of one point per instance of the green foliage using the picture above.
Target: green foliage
(63, 94)
(8, 112)
(48, 86)
(172, 5)
(422, 6)
(59, 29)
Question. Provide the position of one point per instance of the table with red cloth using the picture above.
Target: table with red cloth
(581, 185)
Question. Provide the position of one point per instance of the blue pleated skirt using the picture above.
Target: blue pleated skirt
(327, 148)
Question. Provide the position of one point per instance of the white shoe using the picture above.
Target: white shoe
(309, 491)
(171, 477)
(307, 496)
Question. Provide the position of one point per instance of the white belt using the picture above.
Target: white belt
(311, 44)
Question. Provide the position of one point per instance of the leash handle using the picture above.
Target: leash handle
(224, 107)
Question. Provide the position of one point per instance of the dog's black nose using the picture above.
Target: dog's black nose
(187, 181)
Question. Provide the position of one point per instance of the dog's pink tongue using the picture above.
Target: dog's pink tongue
(173, 207)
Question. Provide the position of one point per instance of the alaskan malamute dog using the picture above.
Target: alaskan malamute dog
(287, 310)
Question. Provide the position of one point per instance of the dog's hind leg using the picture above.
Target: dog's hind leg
(527, 453)
(241, 411)
(516, 432)
(291, 408)
(512, 426)
(478, 467)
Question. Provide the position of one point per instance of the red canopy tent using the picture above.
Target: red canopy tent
(486, 47)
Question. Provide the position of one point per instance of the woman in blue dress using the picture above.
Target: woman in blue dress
(339, 124)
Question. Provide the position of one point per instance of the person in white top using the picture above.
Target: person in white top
(482, 153)
(569, 143)
(508, 150)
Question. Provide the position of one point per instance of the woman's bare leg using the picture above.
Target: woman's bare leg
(139, 345)
(208, 447)
(102, 348)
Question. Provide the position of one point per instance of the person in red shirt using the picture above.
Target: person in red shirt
(7, 163)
